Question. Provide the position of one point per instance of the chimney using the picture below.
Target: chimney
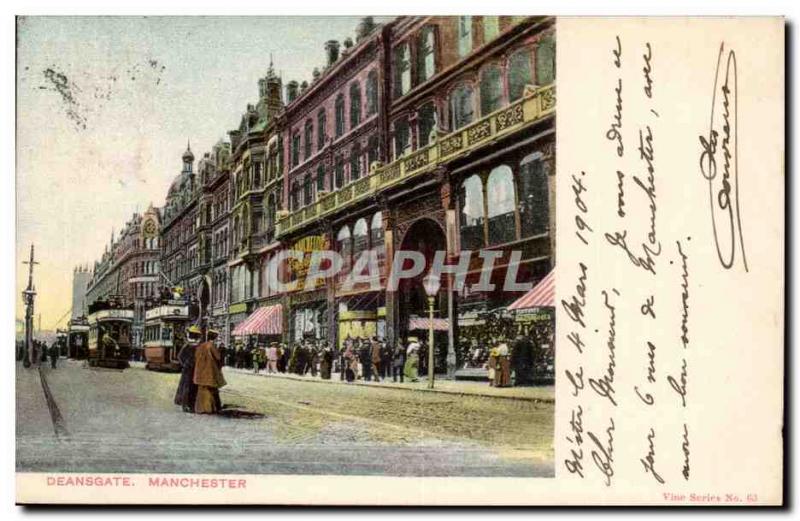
(291, 91)
(332, 51)
(365, 27)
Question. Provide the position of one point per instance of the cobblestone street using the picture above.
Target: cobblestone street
(100, 420)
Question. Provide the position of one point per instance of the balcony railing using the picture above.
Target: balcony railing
(532, 107)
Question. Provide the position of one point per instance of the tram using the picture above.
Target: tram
(78, 338)
(109, 339)
(61, 342)
(165, 334)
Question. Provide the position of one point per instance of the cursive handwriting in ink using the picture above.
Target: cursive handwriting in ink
(603, 455)
(574, 307)
(604, 386)
(580, 218)
(685, 446)
(574, 463)
(684, 296)
(649, 461)
(647, 155)
(620, 194)
(648, 71)
(680, 386)
(646, 261)
(648, 398)
(723, 196)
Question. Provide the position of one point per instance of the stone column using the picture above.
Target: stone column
(390, 297)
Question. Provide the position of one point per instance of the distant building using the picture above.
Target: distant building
(80, 281)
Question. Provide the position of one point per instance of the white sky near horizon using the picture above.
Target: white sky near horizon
(142, 86)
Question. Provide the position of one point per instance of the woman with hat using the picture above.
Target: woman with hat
(186, 394)
(208, 376)
(412, 360)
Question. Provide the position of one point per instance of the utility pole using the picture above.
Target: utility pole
(28, 297)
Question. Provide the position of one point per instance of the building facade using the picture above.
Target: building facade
(80, 281)
(470, 140)
(130, 268)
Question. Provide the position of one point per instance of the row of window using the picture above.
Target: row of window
(303, 147)
(351, 243)
(508, 203)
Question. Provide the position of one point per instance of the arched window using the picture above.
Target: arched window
(546, 61)
(309, 138)
(360, 238)
(376, 237)
(519, 74)
(339, 115)
(426, 122)
(534, 203)
(491, 28)
(338, 172)
(426, 54)
(322, 132)
(471, 216)
(464, 35)
(345, 248)
(402, 69)
(355, 105)
(491, 89)
(355, 162)
(500, 205)
(372, 92)
(461, 106)
(320, 178)
(402, 137)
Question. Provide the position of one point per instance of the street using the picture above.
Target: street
(101, 420)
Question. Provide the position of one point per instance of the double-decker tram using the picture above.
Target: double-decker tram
(109, 340)
(165, 334)
(78, 338)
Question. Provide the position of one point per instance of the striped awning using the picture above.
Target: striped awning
(542, 295)
(267, 320)
(439, 324)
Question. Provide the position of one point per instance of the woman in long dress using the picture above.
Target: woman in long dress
(350, 364)
(412, 361)
(186, 394)
(326, 363)
(503, 377)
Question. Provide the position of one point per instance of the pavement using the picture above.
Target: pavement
(109, 420)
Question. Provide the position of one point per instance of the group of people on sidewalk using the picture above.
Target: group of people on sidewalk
(201, 373)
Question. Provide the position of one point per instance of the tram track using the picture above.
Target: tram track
(59, 425)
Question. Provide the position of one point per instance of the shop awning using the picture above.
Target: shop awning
(439, 324)
(542, 295)
(266, 320)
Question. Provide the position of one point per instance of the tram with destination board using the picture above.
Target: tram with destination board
(78, 338)
(165, 334)
(109, 342)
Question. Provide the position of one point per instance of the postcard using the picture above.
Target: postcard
(411, 260)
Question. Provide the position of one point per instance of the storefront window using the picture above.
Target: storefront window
(461, 107)
(426, 54)
(519, 74)
(426, 122)
(491, 89)
(500, 205)
(471, 217)
(534, 204)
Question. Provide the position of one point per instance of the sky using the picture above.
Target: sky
(105, 108)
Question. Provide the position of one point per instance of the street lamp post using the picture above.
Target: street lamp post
(431, 284)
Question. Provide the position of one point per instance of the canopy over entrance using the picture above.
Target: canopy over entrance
(542, 295)
(266, 320)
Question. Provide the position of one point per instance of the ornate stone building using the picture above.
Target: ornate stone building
(469, 131)
(130, 267)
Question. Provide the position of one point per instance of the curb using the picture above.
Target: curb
(394, 387)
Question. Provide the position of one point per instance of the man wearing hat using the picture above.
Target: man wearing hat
(272, 358)
(208, 376)
(187, 390)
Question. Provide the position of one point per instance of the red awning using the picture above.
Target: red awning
(542, 295)
(267, 320)
(439, 324)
